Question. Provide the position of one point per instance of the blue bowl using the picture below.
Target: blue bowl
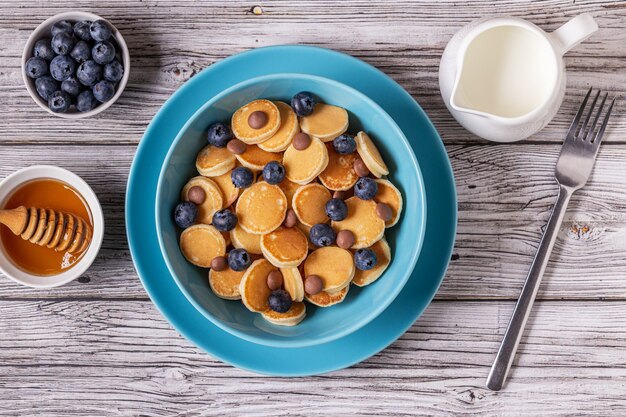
(361, 304)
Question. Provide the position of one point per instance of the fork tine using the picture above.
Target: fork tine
(598, 138)
(596, 118)
(581, 132)
(572, 128)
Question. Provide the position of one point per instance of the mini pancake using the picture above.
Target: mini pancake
(324, 299)
(307, 232)
(383, 258)
(303, 166)
(333, 265)
(201, 243)
(213, 161)
(255, 158)
(292, 281)
(309, 203)
(285, 247)
(370, 155)
(213, 201)
(225, 284)
(261, 208)
(362, 221)
(289, 188)
(289, 126)
(249, 135)
(339, 175)
(390, 195)
(244, 240)
(291, 317)
(228, 189)
(326, 122)
(253, 287)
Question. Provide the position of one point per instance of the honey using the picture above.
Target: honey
(49, 194)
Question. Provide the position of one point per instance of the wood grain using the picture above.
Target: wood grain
(113, 357)
(505, 192)
(98, 346)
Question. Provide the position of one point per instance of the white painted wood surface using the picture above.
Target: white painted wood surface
(99, 347)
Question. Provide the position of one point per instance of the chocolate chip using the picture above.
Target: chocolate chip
(236, 146)
(257, 119)
(340, 195)
(219, 263)
(196, 195)
(313, 284)
(290, 218)
(384, 211)
(274, 280)
(360, 168)
(301, 141)
(345, 239)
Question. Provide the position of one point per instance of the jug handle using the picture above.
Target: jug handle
(574, 32)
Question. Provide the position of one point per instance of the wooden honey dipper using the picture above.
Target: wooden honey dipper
(51, 228)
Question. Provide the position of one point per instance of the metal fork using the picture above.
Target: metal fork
(573, 168)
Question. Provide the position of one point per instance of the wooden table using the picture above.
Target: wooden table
(98, 346)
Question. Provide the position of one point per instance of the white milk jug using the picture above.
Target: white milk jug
(503, 78)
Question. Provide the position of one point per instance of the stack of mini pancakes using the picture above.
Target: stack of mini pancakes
(313, 176)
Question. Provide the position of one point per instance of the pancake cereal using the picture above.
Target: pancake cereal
(288, 208)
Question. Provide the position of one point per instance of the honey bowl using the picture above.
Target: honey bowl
(58, 226)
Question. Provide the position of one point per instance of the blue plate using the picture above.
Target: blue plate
(438, 238)
(362, 305)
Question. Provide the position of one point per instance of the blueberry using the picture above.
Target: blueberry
(64, 26)
(62, 67)
(100, 30)
(62, 43)
(81, 52)
(45, 86)
(89, 73)
(322, 234)
(242, 177)
(81, 30)
(86, 101)
(36, 67)
(239, 259)
(185, 214)
(113, 71)
(103, 52)
(279, 301)
(43, 49)
(274, 172)
(303, 103)
(365, 188)
(224, 220)
(71, 86)
(219, 134)
(344, 144)
(59, 101)
(336, 209)
(365, 259)
(103, 91)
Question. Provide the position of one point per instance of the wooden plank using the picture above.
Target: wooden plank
(505, 192)
(404, 39)
(110, 357)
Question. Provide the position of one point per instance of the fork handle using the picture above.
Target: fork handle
(513, 335)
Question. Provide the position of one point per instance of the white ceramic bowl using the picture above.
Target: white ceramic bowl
(14, 181)
(42, 31)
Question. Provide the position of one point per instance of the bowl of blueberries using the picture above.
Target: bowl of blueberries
(75, 64)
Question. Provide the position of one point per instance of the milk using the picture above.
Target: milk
(507, 71)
